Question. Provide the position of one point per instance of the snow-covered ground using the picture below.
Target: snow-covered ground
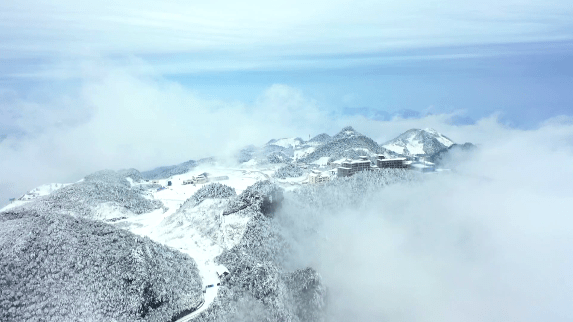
(322, 161)
(287, 142)
(201, 231)
(395, 148)
(442, 139)
(412, 142)
(40, 191)
(302, 152)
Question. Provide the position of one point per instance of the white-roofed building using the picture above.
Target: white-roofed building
(350, 167)
(395, 163)
(315, 177)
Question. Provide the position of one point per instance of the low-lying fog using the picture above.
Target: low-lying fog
(491, 241)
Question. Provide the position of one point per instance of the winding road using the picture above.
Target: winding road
(208, 298)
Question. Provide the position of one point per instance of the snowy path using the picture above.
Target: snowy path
(189, 241)
(208, 298)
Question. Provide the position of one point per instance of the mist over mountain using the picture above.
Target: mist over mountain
(286, 161)
(454, 152)
(253, 240)
(248, 234)
(347, 143)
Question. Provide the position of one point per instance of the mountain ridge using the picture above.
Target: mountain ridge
(418, 142)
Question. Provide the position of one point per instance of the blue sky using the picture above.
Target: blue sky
(112, 84)
(526, 83)
(512, 57)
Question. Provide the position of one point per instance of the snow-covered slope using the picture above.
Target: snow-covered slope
(419, 142)
(55, 267)
(286, 142)
(321, 138)
(37, 192)
(231, 225)
(348, 143)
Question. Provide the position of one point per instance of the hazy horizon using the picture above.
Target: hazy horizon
(141, 84)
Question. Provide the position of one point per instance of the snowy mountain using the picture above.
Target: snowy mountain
(319, 139)
(348, 143)
(180, 248)
(54, 267)
(42, 190)
(224, 228)
(418, 142)
(286, 142)
(443, 157)
(167, 171)
(101, 195)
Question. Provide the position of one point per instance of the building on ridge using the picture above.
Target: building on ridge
(350, 167)
(395, 163)
(315, 177)
(202, 178)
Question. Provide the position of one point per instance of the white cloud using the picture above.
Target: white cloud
(118, 120)
(489, 242)
(259, 35)
(118, 117)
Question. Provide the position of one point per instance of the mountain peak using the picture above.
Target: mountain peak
(346, 132)
(419, 142)
(431, 131)
(323, 137)
(286, 143)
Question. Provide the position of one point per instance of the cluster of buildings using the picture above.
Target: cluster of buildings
(202, 178)
(349, 167)
(316, 176)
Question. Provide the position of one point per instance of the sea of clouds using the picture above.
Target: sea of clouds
(490, 241)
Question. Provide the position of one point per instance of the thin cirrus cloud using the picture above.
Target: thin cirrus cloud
(260, 35)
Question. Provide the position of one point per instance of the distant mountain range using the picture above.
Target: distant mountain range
(380, 115)
(146, 246)
(419, 142)
(348, 143)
